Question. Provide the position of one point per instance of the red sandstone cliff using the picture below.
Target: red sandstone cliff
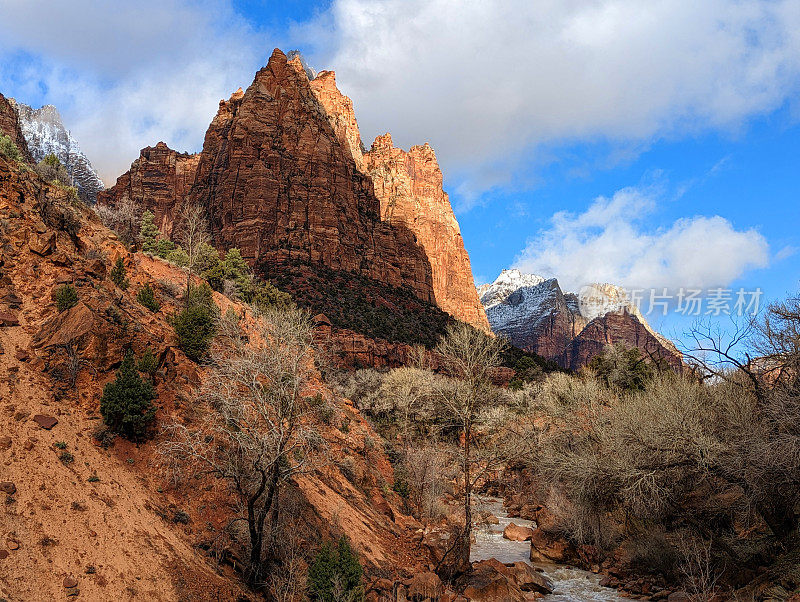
(278, 184)
(10, 126)
(409, 186)
(159, 180)
(284, 177)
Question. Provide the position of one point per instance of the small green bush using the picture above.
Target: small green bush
(127, 403)
(335, 573)
(194, 327)
(195, 324)
(148, 363)
(60, 444)
(119, 274)
(66, 457)
(147, 297)
(9, 149)
(66, 297)
(51, 170)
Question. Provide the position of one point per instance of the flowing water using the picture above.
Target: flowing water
(570, 584)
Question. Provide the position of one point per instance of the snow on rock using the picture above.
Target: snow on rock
(536, 315)
(45, 134)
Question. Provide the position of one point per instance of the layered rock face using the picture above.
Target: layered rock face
(159, 180)
(617, 327)
(278, 184)
(10, 126)
(538, 316)
(409, 186)
(284, 177)
(45, 134)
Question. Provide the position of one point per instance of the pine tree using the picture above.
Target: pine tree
(335, 573)
(150, 233)
(119, 274)
(127, 403)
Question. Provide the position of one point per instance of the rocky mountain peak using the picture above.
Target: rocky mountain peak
(567, 327)
(46, 134)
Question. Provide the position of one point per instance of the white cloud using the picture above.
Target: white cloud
(607, 243)
(492, 84)
(126, 75)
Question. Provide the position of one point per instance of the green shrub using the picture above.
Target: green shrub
(194, 327)
(60, 444)
(66, 297)
(51, 170)
(66, 457)
(265, 295)
(148, 363)
(9, 149)
(127, 403)
(177, 256)
(147, 297)
(119, 274)
(164, 247)
(622, 367)
(335, 573)
(195, 324)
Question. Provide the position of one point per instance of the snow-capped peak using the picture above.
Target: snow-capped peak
(506, 283)
(45, 134)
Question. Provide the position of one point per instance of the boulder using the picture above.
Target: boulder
(8, 319)
(549, 547)
(487, 582)
(8, 487)
(44, 421)
(529, 579)
(70, 582)
(516, 532)
(44, 244)
(448, 550)
(424, 586)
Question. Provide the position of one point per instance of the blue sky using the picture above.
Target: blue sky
(649, 144)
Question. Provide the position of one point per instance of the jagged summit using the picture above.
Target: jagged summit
(537, 315)
(45, 134)
(285, 177)
(292, 54)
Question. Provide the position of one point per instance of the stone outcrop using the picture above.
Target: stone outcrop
(278, 184)
(409, 186)
(617, 327)
(10, 126)
(340, 113)
(284, 177)
(537, 316)
(159, 180)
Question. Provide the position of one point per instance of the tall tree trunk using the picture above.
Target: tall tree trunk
(467, 491)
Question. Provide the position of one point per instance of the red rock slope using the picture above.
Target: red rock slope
(103, 520)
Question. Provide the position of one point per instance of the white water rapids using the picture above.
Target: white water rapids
(570, 584)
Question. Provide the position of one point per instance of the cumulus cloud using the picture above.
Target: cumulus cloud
(126, 75)
(493, 85)
(608, 243)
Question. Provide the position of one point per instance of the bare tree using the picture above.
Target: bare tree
(193, 234)
(408, 393)
(253, 436)
(124, 218)
(468, 357)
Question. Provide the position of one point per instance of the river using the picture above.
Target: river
(570, 584)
